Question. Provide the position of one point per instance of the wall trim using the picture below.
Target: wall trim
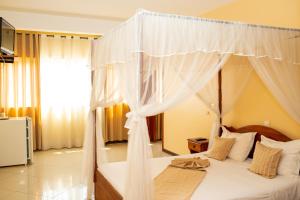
(169, 152)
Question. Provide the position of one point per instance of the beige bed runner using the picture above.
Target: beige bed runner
(180, 179)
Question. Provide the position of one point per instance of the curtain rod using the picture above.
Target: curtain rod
(216, 21)
(59, 33)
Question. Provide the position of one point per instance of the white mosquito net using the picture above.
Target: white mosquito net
(153, 61)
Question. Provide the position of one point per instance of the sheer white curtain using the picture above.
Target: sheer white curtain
(161, 83)
(147, 99)
(161, 60)
(65, 90)
(209, 95)
(100, 98)
(235, 76)
(283, 80)
(106, 91)
(195, 34)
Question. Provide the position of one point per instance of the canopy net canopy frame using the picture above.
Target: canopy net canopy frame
(153, 61)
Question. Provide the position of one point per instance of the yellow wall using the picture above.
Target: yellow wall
(256, 103)
(283, 13)
(187, 120)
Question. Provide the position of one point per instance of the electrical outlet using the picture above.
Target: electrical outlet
(266, 123)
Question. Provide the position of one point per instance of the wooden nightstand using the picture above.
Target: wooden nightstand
(197, 145)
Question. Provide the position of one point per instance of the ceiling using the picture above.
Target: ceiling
(111, 9)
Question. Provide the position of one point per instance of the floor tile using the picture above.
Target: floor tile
(118, 151)
(4, 194)
(33, 186)
(23, 196)
(55, 174)
(75, 193)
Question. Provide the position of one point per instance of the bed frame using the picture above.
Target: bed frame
(105, 191)
(261, 130)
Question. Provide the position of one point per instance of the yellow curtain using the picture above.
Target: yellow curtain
(114, 120)
(20, 84)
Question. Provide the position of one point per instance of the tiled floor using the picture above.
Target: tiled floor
(118, 151)
(54, 175)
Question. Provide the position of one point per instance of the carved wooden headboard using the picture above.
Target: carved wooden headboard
(261, 130)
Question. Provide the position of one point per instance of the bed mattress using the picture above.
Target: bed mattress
(225, 180)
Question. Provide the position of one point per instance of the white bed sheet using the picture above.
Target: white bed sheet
(225, 180)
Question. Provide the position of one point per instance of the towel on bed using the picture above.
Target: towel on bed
(195, 163)
(180, 179)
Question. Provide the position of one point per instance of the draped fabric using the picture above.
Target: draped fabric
(19, 83)
(158, 60)
(146, 98)
(283, 80)
(209, 95)
(234, 77)
(106, 91)
(115, 118)
(178, 83)
(205, 35)
(65, 90)
(114, 122)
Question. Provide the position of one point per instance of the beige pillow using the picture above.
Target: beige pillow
(290, 157)
(265, 160)
(221, 148)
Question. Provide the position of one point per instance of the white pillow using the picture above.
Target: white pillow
(242, 146)
(290, 158)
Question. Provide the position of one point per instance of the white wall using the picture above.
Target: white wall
(55, 23)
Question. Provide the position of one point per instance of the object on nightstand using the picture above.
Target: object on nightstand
(197, 145)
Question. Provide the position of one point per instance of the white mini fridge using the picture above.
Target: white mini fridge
(16, 147)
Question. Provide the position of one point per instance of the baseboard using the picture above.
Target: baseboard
(169, 152)
(126, 141)
(116, 141)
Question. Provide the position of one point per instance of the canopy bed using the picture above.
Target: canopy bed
(153, 61)
(224, 175)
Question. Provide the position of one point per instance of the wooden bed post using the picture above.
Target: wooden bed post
(220, 97)
(95, 143)
(94, 113)
(103, 190)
